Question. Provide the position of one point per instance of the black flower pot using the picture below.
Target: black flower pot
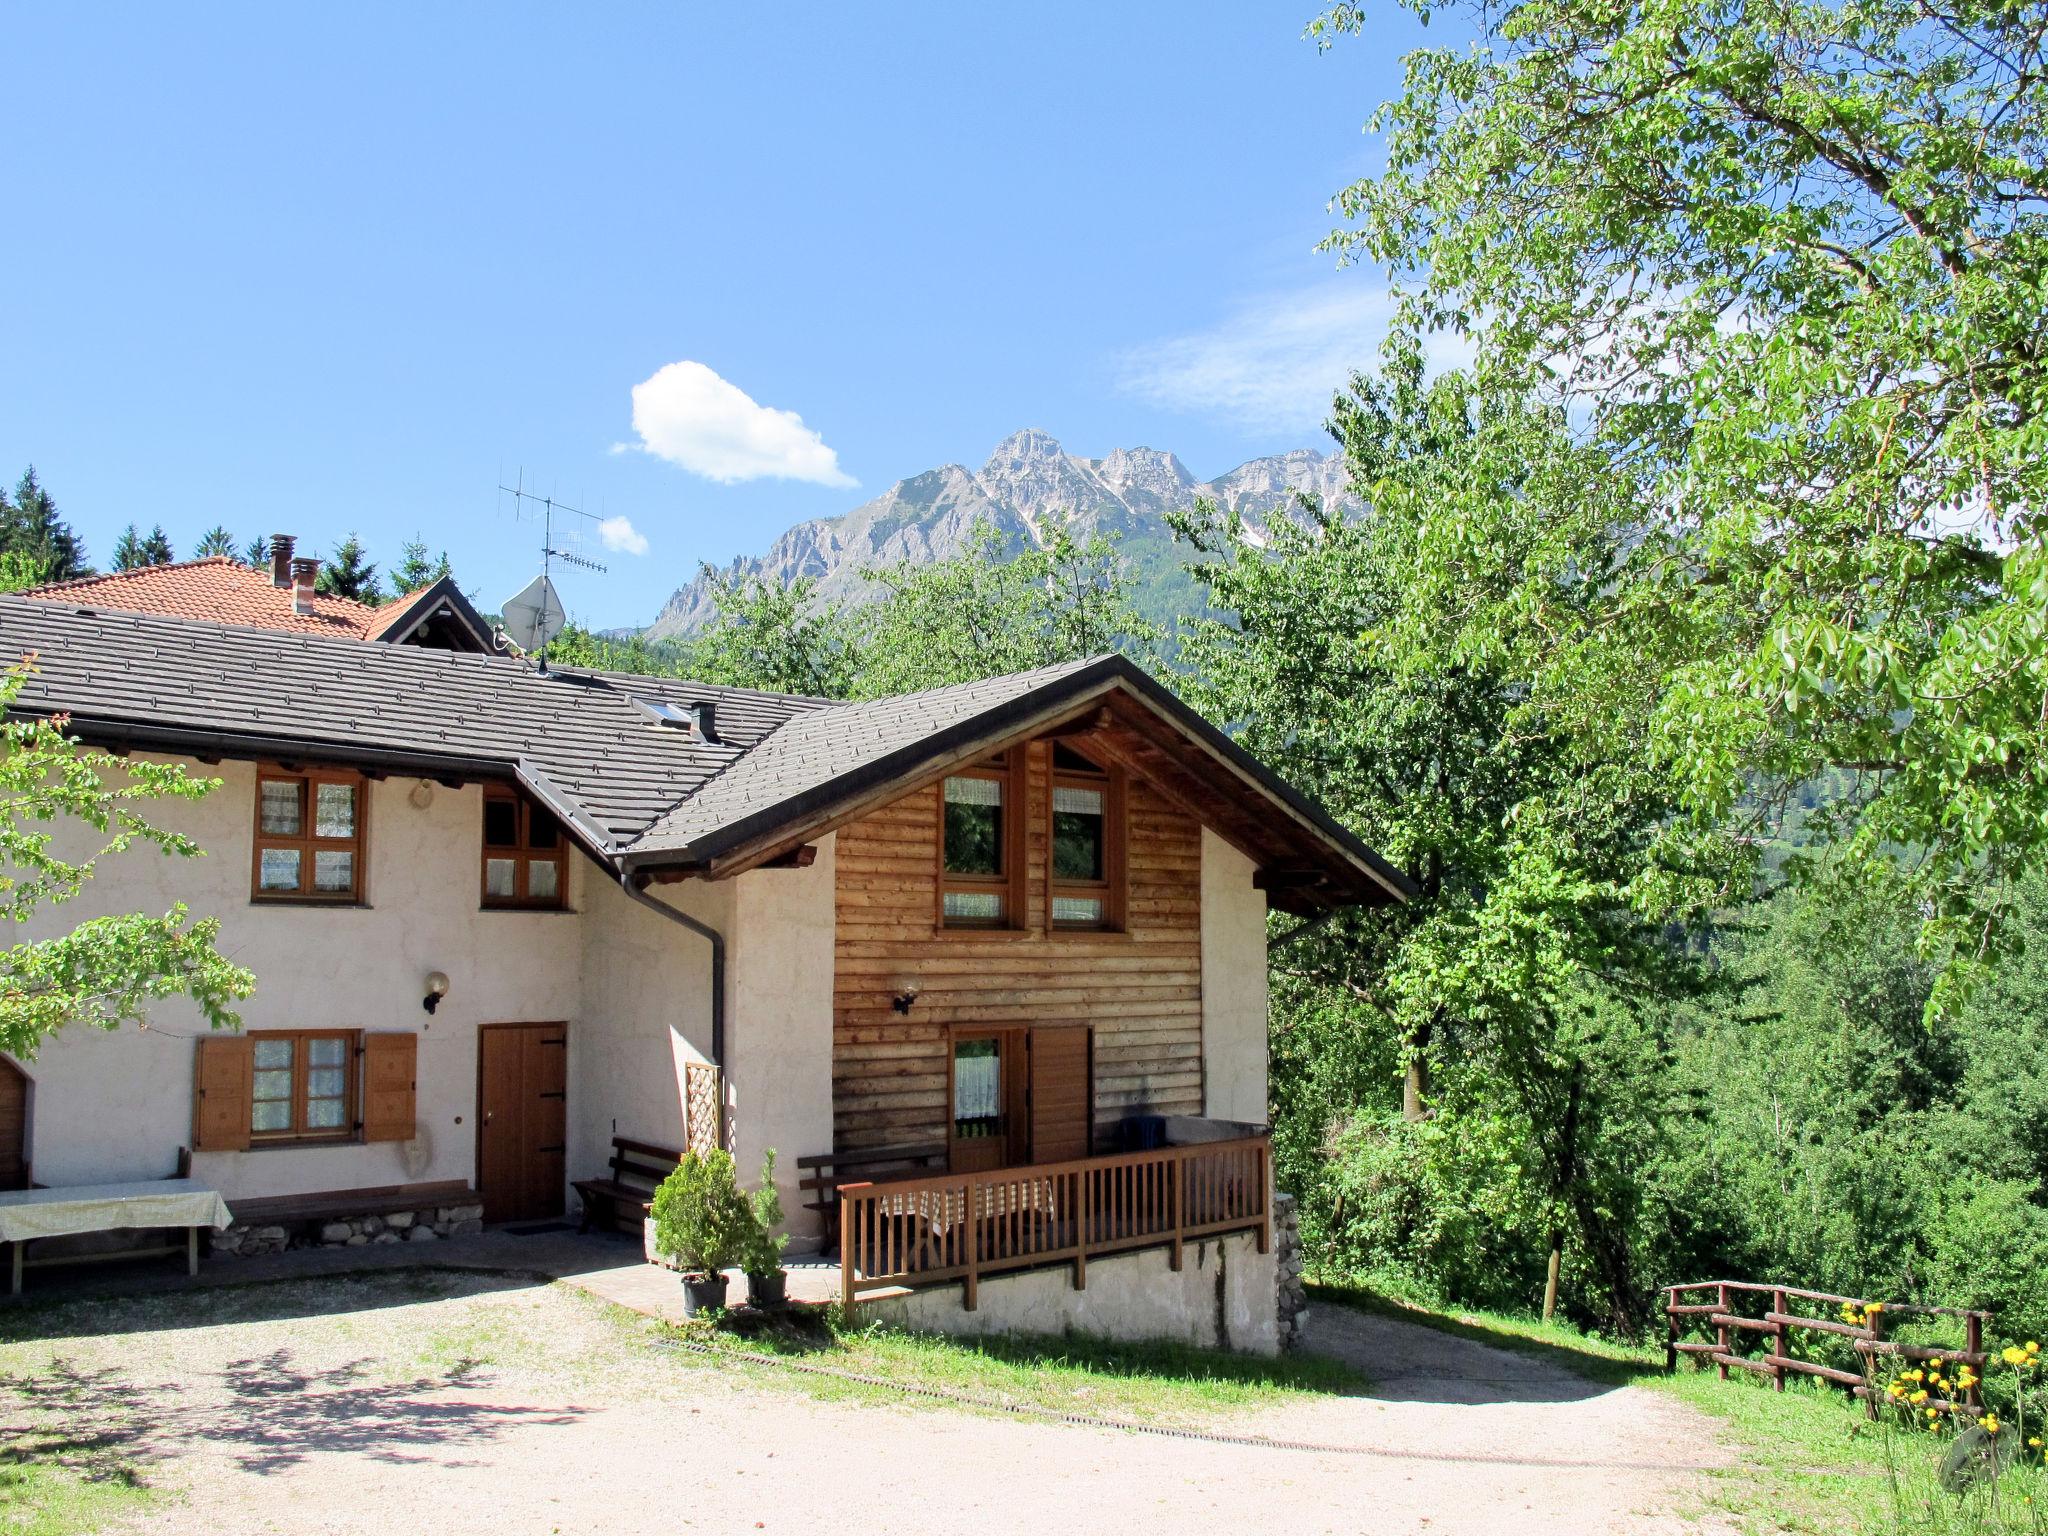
(767, 1290)
(703, 1293)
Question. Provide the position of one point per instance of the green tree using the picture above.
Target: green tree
(1513, 986)
(30, 526)
(1786, 260)
(106, 970)
(256, 552)
(215, 541)
(348, 573)
(990, 610)
(416, 569)
(20, 571)
(134, 550)
(768, 635)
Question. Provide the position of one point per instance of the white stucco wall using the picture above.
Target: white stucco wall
(1224, 1296)
(779, 1032)
(116, 1106)
(645, 1012)
(1233, 984)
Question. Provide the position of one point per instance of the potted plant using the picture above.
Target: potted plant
(766, 1282)
(703, 1221)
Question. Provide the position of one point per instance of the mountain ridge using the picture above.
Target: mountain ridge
(931, 515)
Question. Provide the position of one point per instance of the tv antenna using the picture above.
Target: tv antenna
(535, 615)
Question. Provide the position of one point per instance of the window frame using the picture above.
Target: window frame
(1006, 769)
(300, 1134)
(522, 853)
(308, 844)
(1112, 890)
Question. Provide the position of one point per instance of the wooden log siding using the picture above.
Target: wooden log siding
(1141, 989)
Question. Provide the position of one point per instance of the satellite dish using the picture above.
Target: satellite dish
(535, 615)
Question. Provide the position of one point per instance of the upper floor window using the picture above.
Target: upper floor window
(1087, 842)
(980, 859)
(524, 852)
(309, 835)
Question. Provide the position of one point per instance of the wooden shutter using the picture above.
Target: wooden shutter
(1059, 1093)
(389, 1061)
(220, 1101)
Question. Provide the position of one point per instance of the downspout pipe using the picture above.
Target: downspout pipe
(630, 885)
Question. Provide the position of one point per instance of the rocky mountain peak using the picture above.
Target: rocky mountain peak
(932, 515)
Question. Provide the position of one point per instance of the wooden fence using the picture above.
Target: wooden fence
(930, 1229)
(1779, 1321)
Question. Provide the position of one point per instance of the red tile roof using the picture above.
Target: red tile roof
(223, 591)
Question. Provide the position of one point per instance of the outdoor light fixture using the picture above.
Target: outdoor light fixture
(905, 997)
(437, 988)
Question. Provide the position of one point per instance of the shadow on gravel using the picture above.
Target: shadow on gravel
(272, 1415)
(1413, 1355)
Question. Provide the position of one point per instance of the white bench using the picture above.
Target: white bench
(28, 1214)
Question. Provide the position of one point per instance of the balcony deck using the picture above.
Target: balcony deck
(930, 1229)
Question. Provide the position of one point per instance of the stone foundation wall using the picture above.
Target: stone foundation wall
(1224, 1296)
(1291, 1298)
(423, 1225)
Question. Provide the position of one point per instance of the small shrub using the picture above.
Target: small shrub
(701, 1218)
(764, 1255)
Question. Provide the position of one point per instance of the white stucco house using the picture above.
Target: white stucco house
(993, 956)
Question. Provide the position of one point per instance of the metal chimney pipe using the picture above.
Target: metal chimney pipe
(304, 573)
(281, 559)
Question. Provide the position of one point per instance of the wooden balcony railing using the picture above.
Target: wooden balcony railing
(930, 1229)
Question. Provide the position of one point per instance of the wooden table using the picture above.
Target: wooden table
(28, 1214)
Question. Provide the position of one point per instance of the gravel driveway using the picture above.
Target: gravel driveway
(459, 1404)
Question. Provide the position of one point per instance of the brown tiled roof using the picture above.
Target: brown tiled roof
(221, 590)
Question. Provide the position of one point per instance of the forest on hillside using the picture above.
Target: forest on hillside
(1691, 657)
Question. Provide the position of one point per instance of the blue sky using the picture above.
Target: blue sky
(312, 270)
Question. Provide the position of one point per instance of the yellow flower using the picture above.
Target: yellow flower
(1895, 1390)
(1989, 1423)
(2033, 1348)
(1930, 1413)
(1920, 1397)
(2013, 1355)
(2034, 1441)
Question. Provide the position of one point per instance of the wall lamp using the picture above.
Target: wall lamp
(905, 997)
(437, 988)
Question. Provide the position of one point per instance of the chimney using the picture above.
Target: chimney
(706, 714)
(281, 559)
(303, 573)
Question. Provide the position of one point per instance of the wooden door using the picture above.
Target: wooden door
(1061, 1099)
(13, 1126)
(987, 1121)
(522, 1120)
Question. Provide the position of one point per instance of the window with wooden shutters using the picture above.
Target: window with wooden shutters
(981, 853)
(309, 835)
(1087, 884)
(525, 864)
(302, 1085)
(220, 1098)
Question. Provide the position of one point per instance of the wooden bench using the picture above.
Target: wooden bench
(823, 1173)
(638, 1167)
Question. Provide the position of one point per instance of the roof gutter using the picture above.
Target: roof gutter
(632, 886)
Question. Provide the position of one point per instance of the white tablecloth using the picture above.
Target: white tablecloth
(32, 1213)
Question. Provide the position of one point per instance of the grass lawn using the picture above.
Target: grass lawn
(1808, 1460)
(1171, 1384)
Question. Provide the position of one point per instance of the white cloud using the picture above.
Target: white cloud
(690, 416)
(619, 534)
(1277, 361)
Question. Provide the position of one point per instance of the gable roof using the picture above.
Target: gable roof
(220, 589)
(639, 795)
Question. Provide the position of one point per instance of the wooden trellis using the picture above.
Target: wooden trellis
(703, 1107)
